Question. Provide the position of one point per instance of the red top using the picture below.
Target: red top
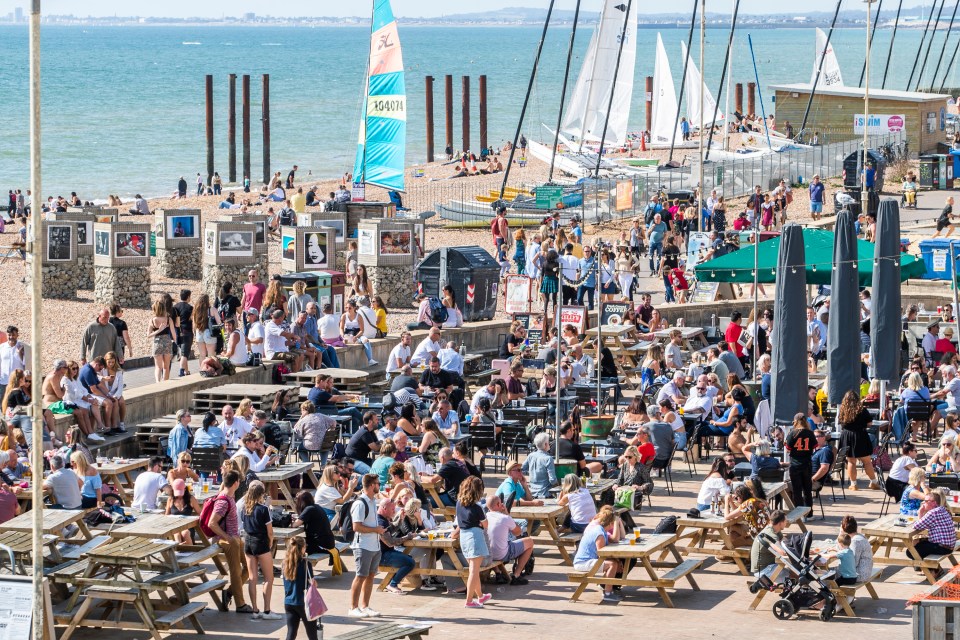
(647, 452)
(253, 295)
(732, 336)
(944, 346)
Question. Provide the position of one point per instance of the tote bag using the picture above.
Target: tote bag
(312, 600)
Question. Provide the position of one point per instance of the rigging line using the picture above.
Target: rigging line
(723, 76)
(613, 86)
(916, 58)
(943, 50)
(873, 31)
(946, 73)
(756, 74)
(563, 92)
(822, 56)
(526, 101)
(933, 36)
(896, 23)
(683, 81)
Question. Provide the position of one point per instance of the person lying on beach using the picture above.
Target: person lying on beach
(460, 172)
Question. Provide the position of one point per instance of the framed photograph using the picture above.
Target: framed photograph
(131, 245)
(210, 242)
(420, 237)
(315, 249)
(365, 242)
(182, 227)
(289, 248)
(102, 243)
(85, 233)
(58, 243)
(261, 226)
(395, 243)
(236, 244)
(335, 224)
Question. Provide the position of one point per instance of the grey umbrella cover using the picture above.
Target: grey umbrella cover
(843, 328)
(788, 392)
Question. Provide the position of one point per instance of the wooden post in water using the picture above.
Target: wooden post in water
(245, 125)
(265, 109)
(483, 112)
(738, 97)
(232, 131)
(751, 98)
(429, 99)
(209, 96)
(648, 101)
(465, 111)
(448, 104)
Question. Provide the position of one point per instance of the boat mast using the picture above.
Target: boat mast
(723, 78)
(703, 27)
(946, 73)
(923, 37)
(933, 36)
(613, 85)
(756, 74)
(873, 31)
(526, 102)
(943, 50)
(896, 23)
(683, 82)
(563, 92)
(822, 56)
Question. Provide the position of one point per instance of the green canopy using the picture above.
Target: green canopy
(818, 247)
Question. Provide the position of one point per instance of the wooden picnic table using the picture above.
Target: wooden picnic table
(548, 514)
(117, 472)
(712, 528)
(634, 553)
(352, 380)
(889, 534)
(22, 548)
(442, 541)
(433, 488)
(156, 525)
(693, 338)
(281, 476)
(387, 631)
(54, 522)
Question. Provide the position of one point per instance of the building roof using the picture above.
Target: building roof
(857, 92)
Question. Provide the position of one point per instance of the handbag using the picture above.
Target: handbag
(312, 600)
(624, 498)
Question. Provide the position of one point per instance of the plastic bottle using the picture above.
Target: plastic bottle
(949, 466)
(463, 349)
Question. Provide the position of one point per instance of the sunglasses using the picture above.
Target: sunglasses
(630, 457)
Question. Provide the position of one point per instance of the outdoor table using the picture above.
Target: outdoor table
(117, 472)
(548, 515)
(433, 489)
(22, 547)
(689, 336)
(742, 470)
(774, 489)
(711, 527)
(442, 541)
(350, 380)
(157, 525)
(281, 475)
(889, 534)
(638, 553)
(54, 522)
(283, 534)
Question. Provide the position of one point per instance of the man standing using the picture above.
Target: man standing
(568, 269)
(718, 366)
(366, 547)
(586, 269)
(801, 444)
(500, 229)
(223, 521)
(255, 334)
(291, 177)
(199, 185)
(656, 230)
(816, 336)
(184, 311)
(11, 355)
(253, 291)
(99, 338)
(816, 197)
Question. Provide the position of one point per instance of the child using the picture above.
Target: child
(295, 574)
(581, 506)
(502, 259)
(847, 569)
(519, 252)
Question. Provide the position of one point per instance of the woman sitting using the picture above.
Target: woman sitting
(409, 421)
(433, 440)
(604, 529)
(634, 475)
(328, 494)
(945, 458)
(715, 485)
(405, 483)
(669, 415)
(748, 514)
(89, 478)
(183, 503)
(749, 408)
(635, 415)
(652, 366)
(315, 523)
(581, 508)
(913, 495)
(758, 455)
(724, 425)
(183, 471)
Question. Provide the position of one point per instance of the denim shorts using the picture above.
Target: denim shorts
(473, 543)
(816, 207)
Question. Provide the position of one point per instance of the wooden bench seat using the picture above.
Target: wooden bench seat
(194, 558)
(797, 514)
(75, 551)
(190, 610)
(206, 587)
(106, 592)
(387, 631)
(680, 571)
(176, 577)
(571, 538)
(845, 593)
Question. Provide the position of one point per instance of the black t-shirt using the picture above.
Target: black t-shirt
(439, 380)
(801, 444)
(403, 382)
(453, 473)
(570, 450)
(255, 524)
(470, 517)
(359, 446)
(945, 214)
(184, 311)
(317, 530)
(671, 256)
(504, 348)
(18, 398)
(228, 306)
(119, 325)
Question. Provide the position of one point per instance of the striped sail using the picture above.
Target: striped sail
(381, 147)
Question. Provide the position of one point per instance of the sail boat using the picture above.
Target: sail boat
(585, 117)
(693, 86)
(830, 75)
(381, 148)
(664, 127)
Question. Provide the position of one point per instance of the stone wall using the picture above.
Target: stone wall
(127, 286)
(182, 263)
(394, 284)
(84, 270)
(214, 275)
(59, 281)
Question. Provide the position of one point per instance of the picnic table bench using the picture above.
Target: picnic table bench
(387, 631)
(22, 548)
(281, 475)
(888, 534)
(548, 514)
(117, 472)
(440, 542)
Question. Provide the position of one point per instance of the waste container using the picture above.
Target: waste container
(287, 280)
(955, 162)
(338, 280)
(929, 172)
(936, 257)
(324, 280)
(471, 271)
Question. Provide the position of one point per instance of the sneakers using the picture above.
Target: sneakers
(356, 613)
(122, 427)
(874, 484)
(428, 586)
(612, 597)
(95, 437)
(256, 615)
(473, 604)
(518, 580)
(485, 598)
(372, 363)
(852, 487)
(182, 373)
(269, 615)
(370, 613)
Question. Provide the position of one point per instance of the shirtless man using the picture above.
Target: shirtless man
(52, 393)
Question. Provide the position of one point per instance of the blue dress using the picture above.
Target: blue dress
(909, 506)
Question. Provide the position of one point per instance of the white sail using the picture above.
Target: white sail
(830, 75)
(587, 110)
(664, 125)
(693, 86)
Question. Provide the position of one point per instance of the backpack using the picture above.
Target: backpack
(346, 518)
(338, 451)
(288, 218)
(389, 401)
(667, 524)
(207, 512)
(438, 312)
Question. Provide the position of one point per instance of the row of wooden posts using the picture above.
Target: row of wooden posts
(245, 127)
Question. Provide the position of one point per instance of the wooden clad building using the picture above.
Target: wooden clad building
(834, 108)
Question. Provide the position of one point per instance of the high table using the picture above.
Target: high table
(633, 552)
(281, 477)
(548, 514)
(891, 533)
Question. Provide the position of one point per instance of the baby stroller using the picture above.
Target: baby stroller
(802, 588)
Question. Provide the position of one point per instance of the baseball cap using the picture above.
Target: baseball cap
(179, 487)
(251, 311)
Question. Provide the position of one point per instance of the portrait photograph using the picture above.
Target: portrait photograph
(289, 248)
(209, 242)
(236, 243)
(131, 245)
(102, 243)
(84, 233)
(395, 243)
(182, 227)
(58, 243)
(315, 249)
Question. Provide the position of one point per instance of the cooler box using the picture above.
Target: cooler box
(324, 294)
(936, 257)
(287, 280)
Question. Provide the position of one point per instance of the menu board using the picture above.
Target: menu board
(705, 292)
(16, 610)
(533, 323)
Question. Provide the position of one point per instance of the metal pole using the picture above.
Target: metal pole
(613, 85)
(727, 62)
(923, 37)
(209, 95)
(756, 292)
(933, 36)
(599, 299)
(872, 33)
(429, 109)
(683, 81)
(953, 257)
(556, 323)
(821, 55)
(946, 73)
(864, 192)
(893, 36)
(703, 27)
(245, 123)
(726, 106)
(36, 288)
(563, 91)
(232, 131)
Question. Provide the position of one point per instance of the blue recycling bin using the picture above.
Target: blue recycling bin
(936, 257)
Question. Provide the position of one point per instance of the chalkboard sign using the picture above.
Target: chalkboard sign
(926, 173)
(613, 312)
(705, 292)
(533, 323)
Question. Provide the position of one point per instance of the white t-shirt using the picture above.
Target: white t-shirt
(712, 487)
(499, 526)
(673, 354)
(953, 392)
(275, 342)
(899, 469)
(365, 541)
(369, 322)
(326, 497)
(255, 332)
(235, 431)
(582, 507)
(568, 266)
(400, 352)
(10, 360)
(329, 327)
(425, 351)
(240, 351)
(480, 394)
(146, 488)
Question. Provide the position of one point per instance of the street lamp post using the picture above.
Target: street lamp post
(864, 192)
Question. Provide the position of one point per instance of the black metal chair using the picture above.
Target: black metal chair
(920, 413)
(688, 451)
(207, 460)
(663, 466)
(484, 437)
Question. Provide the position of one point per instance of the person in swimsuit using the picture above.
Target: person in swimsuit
(183, 503)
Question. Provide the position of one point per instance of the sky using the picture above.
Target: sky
(403, 8)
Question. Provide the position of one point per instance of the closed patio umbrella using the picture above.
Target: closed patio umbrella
(843, 327)
(788, 391)
(886, 326)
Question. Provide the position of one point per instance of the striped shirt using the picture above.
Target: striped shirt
(939, 527)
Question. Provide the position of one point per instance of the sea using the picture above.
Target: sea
(123, 107)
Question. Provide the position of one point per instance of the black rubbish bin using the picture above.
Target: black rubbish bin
(311, 280)
(471, 271)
